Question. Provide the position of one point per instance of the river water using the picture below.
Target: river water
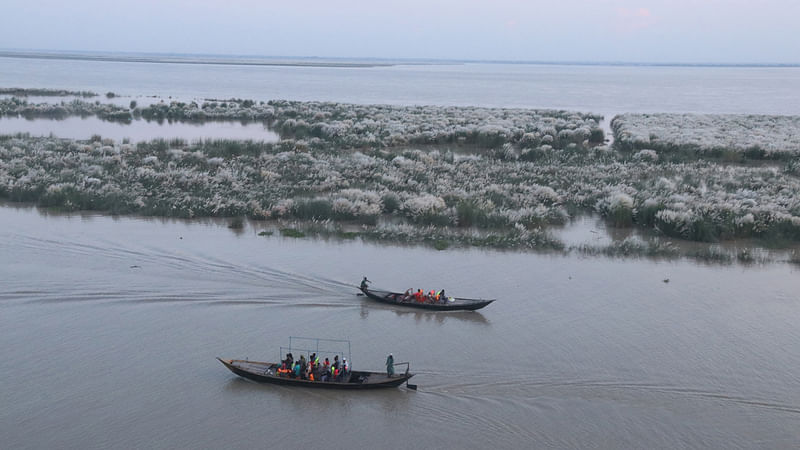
(109, 326)
(110, 329)
(138, 130)
(594, 88)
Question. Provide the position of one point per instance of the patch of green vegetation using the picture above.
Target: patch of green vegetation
(292, 232)
(391, 202)
(441, 244)
(265, 233)
(469, 214)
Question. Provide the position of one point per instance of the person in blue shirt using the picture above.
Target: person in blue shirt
(390, 365)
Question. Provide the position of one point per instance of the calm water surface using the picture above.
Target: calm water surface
(137, 130)
(599, 89)
(110, 327)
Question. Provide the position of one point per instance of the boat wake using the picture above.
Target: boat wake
(114, 271)
(527, 389)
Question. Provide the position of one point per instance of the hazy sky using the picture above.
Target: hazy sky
(757, 31)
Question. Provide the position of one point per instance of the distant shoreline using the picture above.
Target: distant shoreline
(338, 62)
(155, 59)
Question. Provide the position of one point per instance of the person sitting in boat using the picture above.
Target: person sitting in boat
(296, 370)
(432, 296)
(407, 294)
(335, 368)
(317, 372)
(442, 297)
(419, 296)
(365, 283)
(390, 366)
(303, 367)
(289, 361)
(326, 370)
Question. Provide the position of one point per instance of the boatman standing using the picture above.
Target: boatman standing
(390, 365)
(365, 283)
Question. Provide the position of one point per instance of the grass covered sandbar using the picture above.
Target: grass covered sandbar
(722, 136)
(477, 176)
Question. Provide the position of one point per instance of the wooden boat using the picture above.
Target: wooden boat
(451, 304)
(265, 372)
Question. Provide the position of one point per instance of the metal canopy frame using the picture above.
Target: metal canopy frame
(320, 346)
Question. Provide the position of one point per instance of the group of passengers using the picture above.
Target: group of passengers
(419, 296)
(314, 370)
(424, 297)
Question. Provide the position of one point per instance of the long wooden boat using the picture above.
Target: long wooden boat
(265, 372)
(450, 304)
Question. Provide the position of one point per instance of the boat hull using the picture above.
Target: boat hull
(395, 298)
(264, 373)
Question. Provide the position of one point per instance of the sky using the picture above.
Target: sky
(643, 31)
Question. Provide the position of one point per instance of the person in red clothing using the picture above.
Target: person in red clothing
(419, 296)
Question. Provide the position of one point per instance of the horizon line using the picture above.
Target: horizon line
(341, 61)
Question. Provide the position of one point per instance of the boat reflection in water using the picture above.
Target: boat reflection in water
(427, 316)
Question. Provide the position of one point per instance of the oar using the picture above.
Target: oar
(413, 387)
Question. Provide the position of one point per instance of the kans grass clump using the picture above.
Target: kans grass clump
(721, 136)
(358, 126)
(239, 110)
(15, 106)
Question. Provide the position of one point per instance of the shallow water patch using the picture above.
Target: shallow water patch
(137, 130)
